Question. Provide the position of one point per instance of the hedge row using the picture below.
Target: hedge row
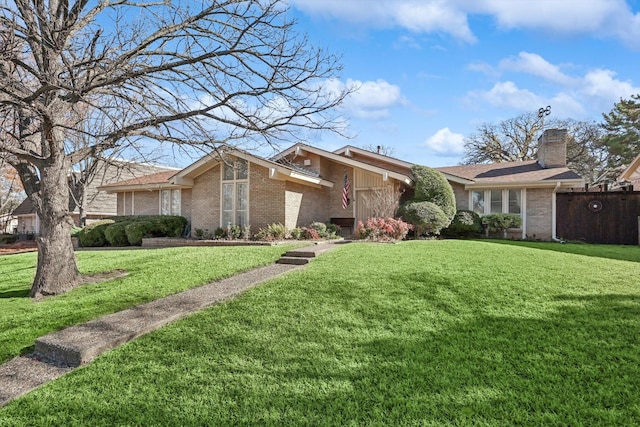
(129, 230)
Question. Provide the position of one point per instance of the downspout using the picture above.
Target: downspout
(553, 214)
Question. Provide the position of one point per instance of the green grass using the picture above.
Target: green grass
(153, 274)
(419, 333)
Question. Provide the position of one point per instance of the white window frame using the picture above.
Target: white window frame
(505, 199)
(235, 181)
(172, 192)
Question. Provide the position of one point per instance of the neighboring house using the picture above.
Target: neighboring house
(631, 175)
(8, 223)
(305, 184)
(98, 204)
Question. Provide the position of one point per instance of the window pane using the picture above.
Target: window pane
(514, 201)
(175, 202)
(241, 218)
(165, 204)
(227, 218)
(228, 170)
(477, 201)
(496, 201)
(227, 197)
(242, 168)
(242, 196)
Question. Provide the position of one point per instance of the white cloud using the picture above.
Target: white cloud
(608, 18)
(368, 100)
(507, 95)
(576, 96)
(445, 142)
(536, 65)
(419, 16)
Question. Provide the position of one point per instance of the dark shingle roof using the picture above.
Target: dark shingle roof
(25, 208)
(510, 172)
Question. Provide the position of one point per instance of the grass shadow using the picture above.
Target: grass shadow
(15, 293)
(615, 252)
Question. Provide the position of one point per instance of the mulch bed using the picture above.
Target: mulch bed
(18, 248)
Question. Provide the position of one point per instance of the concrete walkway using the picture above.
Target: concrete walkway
(60, 352)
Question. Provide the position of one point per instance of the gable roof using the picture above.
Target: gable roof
(632, 172)
(343, 160)
(276, 170)
(529, 173)
(25, 208)
(156, 180)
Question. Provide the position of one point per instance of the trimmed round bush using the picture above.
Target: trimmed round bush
(116, 234)
(426, 217)
(465, 224)
(172, 225)
(137, 230)
(432, 186)
(93, 234)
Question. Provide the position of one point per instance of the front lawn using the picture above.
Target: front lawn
(418, 333)
(153, 273)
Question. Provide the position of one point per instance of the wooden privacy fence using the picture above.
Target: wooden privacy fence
(599, 217)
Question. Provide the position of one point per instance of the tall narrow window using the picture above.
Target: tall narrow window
(515, 197)
(477, 201)
(235, 193)
(496, 201)
(170, 202)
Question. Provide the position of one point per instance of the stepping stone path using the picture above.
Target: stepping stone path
(60, 352)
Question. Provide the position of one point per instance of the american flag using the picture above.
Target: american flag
(345, 191)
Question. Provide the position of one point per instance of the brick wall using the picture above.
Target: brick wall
(205, 200)
(539, 213)
(266, 198)
(305, 204)
(146, 202)
(185, 203)
(552, 148)
(462, 196)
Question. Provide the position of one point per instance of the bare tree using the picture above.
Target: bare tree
(11, 192)
(510, 140)
(179, 72)
(382, 202)
(516, 139)
(385, 150)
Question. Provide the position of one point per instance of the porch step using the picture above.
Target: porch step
(294, 260)
(309, 252)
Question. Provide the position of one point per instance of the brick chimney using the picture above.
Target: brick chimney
(552, 148)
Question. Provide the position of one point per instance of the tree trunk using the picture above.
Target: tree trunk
(57, 271)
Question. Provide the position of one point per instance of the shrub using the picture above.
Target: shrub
(8, 238)
(333, 230)
(75, 231)
(426, 217)
(465, 224)
(272, 232)
(116, 235)
(234, 231)
(382, 229)
(310, 233)
(320, 227)
(137, 230)
(171, 225)
(432, 186)
(501, 222)
(219, 233)
(297, 233)
(93, 234)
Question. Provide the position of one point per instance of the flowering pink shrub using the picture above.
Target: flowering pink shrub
(310, 233)
(382, 229)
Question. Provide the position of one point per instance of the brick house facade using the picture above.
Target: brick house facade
(305, 184)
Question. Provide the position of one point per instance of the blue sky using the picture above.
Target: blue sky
(430, 71)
